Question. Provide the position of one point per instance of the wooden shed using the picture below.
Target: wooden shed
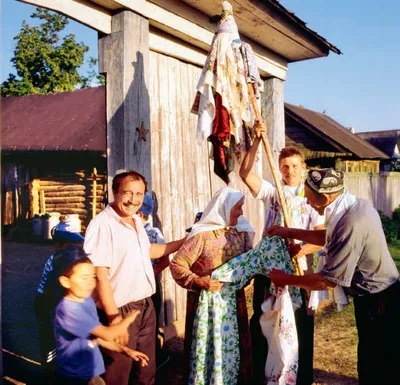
(53, 155)
(388, 141)
(152, 53)
(326, 143)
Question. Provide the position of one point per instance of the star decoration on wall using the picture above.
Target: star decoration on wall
(142, 132)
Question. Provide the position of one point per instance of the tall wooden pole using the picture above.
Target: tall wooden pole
(275, 176)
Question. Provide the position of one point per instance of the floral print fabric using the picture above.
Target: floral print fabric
(279, 328)
(215, 356)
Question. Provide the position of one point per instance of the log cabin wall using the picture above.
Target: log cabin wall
(64, 179)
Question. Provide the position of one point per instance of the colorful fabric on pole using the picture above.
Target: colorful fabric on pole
(215, 354)
(222, 90)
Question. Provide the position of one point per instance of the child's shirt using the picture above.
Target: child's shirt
(77, 355)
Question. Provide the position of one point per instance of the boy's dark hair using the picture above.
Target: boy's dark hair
(131, 175)
(67, 259)
(290, 151)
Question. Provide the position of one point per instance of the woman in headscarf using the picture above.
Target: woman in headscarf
(221, 234)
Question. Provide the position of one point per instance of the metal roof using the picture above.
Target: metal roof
(333, 132)
(386, 140)
(62, 121)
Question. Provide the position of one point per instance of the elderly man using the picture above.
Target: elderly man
(292, 167)
(358, 260)
(119, 248)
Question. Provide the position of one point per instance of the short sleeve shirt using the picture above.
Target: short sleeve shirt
(77, 356)
(309, 218)
(111, 242)
(357, 254)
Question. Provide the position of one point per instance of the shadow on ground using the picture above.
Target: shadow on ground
(322, 377)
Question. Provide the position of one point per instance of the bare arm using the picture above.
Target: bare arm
(158, 250)
(252, 180)
(161, 265)
(115, 347)
(315, 237)
(112, 332)
(309, 282)
(105, 293)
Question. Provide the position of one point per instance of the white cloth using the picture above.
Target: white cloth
(316, 296)
(217, 214)
(333, 213)
(111, 242)
(279, 328)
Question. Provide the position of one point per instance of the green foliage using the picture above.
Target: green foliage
(43, 61)
(394, 250)
(396, 219)
(389, 228)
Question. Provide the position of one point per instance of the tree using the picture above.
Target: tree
(46, 63)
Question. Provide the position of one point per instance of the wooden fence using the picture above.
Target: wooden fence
(382, 190)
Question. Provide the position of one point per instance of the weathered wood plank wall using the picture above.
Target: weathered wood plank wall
(183, 180)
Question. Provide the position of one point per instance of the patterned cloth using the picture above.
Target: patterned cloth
(48, 268)
(215, 354)
(279, 328)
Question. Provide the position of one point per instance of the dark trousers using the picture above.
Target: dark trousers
(122, 370)
(378, 320)
(43, 307)
(305, 336)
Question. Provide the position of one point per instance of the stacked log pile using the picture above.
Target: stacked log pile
(77, 193)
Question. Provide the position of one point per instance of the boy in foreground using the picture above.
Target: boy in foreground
(78, 330)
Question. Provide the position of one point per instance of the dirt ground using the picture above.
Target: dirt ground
(335, 343)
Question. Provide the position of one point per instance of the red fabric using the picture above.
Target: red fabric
(221, 133)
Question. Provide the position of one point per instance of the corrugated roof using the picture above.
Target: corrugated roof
(340, 137)
(386, 140)
(62, 121)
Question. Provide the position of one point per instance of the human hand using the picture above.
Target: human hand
(136, 356)
(278, 277)
(211, 284)
(260, 127)
(295, 250)
(280, 231)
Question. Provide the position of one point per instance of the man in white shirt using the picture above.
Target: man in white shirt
(292, 166)
(119, 248)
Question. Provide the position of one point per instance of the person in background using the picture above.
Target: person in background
(292, 166)
(119, 248)
(77, 327)
(359, 261)
(65, 235)
(155, 236)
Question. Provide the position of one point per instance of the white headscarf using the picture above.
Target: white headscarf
(217, 214)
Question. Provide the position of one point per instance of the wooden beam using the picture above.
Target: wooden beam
(192, 26)
(83, 11)
(124, 59)
(188, 25)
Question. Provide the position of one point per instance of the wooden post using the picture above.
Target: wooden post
(94, 192)
(273, 112)
(124, 59)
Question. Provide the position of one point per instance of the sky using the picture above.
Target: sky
(359, 89)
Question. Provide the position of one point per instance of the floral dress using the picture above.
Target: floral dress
(198, 257)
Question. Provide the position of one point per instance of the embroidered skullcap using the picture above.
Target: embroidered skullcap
(325, 181)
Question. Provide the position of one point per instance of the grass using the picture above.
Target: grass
(394, 249)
